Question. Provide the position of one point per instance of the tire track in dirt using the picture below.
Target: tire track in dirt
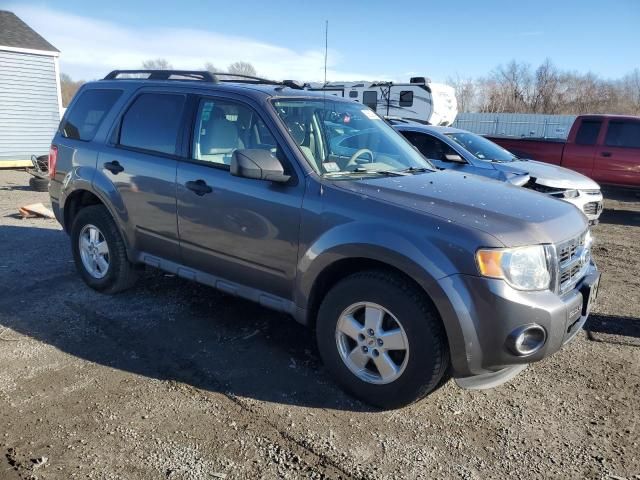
(317, 461)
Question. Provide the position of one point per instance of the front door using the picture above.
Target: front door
(618, 158)
(238, 229)
(579, 154)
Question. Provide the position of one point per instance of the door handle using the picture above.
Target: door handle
(114, 167)
(605, 154)
(199, 187)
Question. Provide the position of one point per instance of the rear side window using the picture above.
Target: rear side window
(588, 132)
(152, 123)
(623, 134)
(87, 113)
(406, 98)
(429, 146)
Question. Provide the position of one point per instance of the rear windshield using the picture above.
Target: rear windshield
(87, 113)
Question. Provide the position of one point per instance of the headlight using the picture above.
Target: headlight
(524, 268)
(570, 193)
(588, 239)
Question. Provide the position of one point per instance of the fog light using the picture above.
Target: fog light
(526, 340)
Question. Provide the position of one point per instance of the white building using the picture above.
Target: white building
(30, 97)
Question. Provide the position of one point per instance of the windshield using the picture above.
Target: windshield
(482, 148)
(347, 139)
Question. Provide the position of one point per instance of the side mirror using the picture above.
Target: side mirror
(454, 157)
(257, 164)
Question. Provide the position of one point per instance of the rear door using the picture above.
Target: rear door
(618, 157)
(579, 155)
(241, 230)
(140, 163)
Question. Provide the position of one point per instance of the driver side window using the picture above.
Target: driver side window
(223, 127)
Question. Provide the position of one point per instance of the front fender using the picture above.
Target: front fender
(417, 257)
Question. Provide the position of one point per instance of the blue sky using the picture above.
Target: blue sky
(382, 40)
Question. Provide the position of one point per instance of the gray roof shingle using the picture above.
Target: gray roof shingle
(15, 33)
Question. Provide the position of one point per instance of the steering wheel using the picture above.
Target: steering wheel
(359, 153)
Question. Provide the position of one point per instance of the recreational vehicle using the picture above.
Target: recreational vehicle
(419, 100)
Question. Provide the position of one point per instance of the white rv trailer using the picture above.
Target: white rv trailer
(419, 100)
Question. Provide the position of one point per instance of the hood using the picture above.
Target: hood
(549, 175)
(514, 215)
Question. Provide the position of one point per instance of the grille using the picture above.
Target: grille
(573, 261)
(592, 208)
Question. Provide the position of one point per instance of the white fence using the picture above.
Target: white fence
(516, 124)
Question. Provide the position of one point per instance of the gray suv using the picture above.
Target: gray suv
(312, 205)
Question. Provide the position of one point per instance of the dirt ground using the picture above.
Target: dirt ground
(176, 380)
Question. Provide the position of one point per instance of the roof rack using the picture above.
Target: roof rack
(239, 78)
(201, 75)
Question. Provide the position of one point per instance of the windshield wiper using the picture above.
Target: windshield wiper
(361, 170)
(416, 170)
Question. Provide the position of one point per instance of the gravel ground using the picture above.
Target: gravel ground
(175, 380)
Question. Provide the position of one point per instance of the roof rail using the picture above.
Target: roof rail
(201, 75)
(239, 78)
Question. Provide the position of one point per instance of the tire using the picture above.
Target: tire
(39, 184)
(120, 274)
(418, 370)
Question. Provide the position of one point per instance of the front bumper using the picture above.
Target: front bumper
(480, 314)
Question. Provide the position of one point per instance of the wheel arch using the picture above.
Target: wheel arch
(84, 196)
(354, 247)
(76, 201)
(336, 271)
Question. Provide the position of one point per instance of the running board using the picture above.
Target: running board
(267, 300)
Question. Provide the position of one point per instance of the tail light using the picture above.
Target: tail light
(53, 160)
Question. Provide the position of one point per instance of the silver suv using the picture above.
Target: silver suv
(312, 205)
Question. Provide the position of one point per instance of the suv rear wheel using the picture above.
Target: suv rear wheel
(99, 251)
(381, 339)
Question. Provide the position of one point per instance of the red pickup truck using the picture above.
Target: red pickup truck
(603, 147)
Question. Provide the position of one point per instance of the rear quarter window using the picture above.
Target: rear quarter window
(623, 134)
(87, 113)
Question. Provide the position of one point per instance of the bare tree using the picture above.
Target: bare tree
(242, 68)
(466, 92)
(630, 89)
(516, 88)
(513, 84)
(211, 68)
(68, 88)
(157, 64)
(547, 91)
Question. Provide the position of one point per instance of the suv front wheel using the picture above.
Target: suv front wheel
(382, 339)
(99, 252)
